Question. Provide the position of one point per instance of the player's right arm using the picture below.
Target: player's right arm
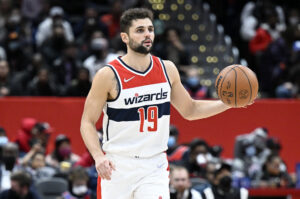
(103, 84)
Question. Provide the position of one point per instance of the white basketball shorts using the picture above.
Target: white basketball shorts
(136, 178)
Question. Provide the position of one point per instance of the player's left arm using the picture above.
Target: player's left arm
(189, 108)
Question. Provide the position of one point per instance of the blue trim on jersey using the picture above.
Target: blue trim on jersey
(165, 71)
(132, 114)
(118, 80)
(107, 138)
(136, 71)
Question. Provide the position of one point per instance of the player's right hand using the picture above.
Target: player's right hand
(104, 167)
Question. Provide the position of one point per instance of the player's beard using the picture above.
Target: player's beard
(139, 48)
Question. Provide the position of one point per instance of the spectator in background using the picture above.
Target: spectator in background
(52, 48)
(24, 134)
(65, 68)
(85, 48)
(62, 152)
(15, 42)
(195, 158)
(80, 86)
(180, 185)
(273, 174)
(112, 19)
(100, 56)
(175, 151)
(273, 144)
(286, 90)
(193, 86)
(41, 85)
(172, 48)
(44, 31)
(222, 185)
(9, 163)
(31, 9)
(270, 53)
(78, 185)
(246, 144)
(33, 133)
(210, 170)
(253, 15)
(34, 162)
(20, 187)
(250, 152)
(21, 80)
(90, 23)
(5, 79)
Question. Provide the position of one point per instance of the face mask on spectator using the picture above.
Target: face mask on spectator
(192, 82)
(9, 162)
(13, 194)
(3, 140)
(250, 151)
(91, 21)
(293, 20)
(14, 46)
(225, 183)
(201, 159)
(171, 141)
(64, 152)
(80, 190)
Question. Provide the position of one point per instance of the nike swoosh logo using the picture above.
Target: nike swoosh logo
(127, 80)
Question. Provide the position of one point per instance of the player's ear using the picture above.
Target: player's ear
(124, 37)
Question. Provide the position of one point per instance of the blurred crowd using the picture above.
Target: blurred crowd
(267, 35)
(48, 48)
(200, 167)
(197, 169)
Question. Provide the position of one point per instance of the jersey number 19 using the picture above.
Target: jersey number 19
(152, 116)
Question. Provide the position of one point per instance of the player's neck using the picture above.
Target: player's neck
(138, 61)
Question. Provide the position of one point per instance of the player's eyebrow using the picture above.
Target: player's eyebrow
(151, 26)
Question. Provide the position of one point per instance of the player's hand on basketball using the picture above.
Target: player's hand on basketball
(104, 167)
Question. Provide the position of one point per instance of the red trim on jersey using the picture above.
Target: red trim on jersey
(130, 80)
(99, 188)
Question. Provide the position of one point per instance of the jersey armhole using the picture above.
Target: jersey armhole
(165, 71)
(118, 80)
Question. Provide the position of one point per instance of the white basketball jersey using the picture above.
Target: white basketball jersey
(137, 122)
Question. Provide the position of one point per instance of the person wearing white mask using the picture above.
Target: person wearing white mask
(195, 158)
(78, 185)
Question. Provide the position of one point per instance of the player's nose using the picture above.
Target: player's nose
(147, 34)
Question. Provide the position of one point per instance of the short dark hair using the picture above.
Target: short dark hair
(23, 178)
(173, 130)
(37, 153)
(133, 14)
(198, 142)
(223, 166)
(78, 172)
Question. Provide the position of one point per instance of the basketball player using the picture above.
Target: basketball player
(135, 92)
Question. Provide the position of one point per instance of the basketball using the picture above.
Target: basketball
(236, 85)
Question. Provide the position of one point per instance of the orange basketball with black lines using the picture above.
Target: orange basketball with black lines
(237, 85)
